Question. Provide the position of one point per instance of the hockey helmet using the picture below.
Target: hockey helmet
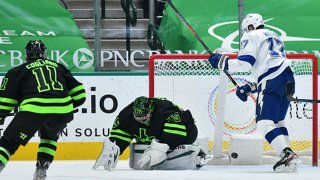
(253, 19)
(35, 49)
(142, 109)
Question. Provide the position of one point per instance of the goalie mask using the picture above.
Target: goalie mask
(35, 50)
(253, 19)
(142, 110)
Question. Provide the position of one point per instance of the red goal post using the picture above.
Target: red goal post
(183, 64)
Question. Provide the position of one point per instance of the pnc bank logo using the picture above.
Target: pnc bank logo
(83, 58)
(230, 39)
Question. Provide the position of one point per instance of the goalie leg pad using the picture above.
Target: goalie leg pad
(182, 158)
(154, 156)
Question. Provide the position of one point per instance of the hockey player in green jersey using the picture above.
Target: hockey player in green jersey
(168, 131)
(46, 94)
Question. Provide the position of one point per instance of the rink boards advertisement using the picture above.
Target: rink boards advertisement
(108, 93)
(55, 27)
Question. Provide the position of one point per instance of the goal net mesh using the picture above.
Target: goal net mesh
(191, 82)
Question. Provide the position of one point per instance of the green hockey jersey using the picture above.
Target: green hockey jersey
(40, 87)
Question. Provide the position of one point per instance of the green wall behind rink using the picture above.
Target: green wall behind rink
(216, 22)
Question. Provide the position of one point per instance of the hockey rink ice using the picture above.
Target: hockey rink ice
(82, 170)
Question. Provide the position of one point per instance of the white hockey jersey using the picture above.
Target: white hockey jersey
(262, 52)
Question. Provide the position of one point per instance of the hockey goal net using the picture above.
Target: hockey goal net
(189, 81)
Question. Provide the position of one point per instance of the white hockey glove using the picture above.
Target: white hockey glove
(154, 156)
(109, 155)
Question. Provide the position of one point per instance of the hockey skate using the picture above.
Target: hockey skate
(41, 170)
(288, 163)
(40, 174)
(1, 167)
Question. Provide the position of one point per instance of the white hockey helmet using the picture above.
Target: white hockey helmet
(253, 19)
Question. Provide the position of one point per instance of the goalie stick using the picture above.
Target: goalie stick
(194, 33)
(289, 92)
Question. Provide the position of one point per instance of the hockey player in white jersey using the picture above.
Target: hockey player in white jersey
(262, 52)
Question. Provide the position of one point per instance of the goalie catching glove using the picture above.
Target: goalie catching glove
(219, 61)
(154, 156)
(244, 91)
(109, 155)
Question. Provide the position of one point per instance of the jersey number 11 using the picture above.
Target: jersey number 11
(44, 75)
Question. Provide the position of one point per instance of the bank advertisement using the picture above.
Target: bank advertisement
(217, 24)
(48, 21)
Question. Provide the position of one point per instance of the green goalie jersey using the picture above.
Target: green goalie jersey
(40, 87)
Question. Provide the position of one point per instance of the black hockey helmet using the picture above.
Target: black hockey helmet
(35, 49)
(142, 109)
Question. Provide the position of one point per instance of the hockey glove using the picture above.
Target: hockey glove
(109, 155)
(2, 117)
(154, 156)
(219, 61)
(244, 91)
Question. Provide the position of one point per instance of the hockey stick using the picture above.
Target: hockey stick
(198, 37)
(14, 113)
(289, 91)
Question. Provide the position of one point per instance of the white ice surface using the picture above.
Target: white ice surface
(82, 170)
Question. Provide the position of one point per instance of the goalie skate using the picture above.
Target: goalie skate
(202, 160)
(288, 163)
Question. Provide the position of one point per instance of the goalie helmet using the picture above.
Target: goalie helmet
(35, 50)
(142, 109)
(253, 19)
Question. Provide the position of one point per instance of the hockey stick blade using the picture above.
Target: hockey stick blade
(195, 34)
(289, 92)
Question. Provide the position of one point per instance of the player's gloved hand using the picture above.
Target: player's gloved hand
(219, 61)
(154, 156)
(109, 155)
(2, 117)
(244, 91)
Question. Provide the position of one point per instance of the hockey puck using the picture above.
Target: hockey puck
(234, 155)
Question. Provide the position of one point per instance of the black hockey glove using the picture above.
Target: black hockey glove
(219, 61)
